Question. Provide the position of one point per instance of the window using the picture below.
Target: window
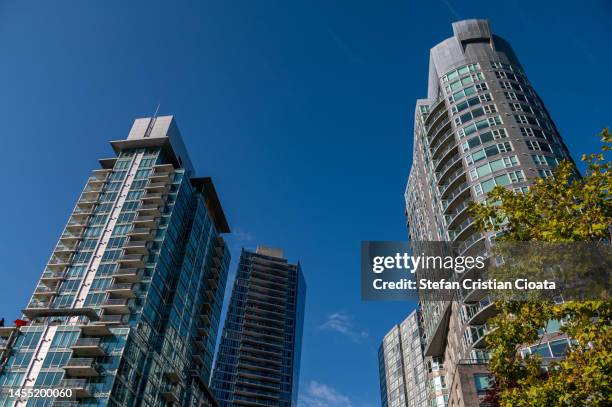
(500, 65)
(538, 146)
(488, 109)
(545, 173)
(501, 180)
(522, 119)
(488, 152)
(465, 104)
(559, 348)
(493, 166)
(521, 190)
(482, 383)
(56, 359)
(481, 87)
(460, 71)
(510, 95)
(481, 124)
(485, 97)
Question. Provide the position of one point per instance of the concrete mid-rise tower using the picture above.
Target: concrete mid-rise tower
(258, 362)
(401, 365)
(127, 310)
(481, 125)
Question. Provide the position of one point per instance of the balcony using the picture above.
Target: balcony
(434, 132)
(456, 213)
(212, 283)
(136, 246)
(89, 347)
(45, 292)
(455, 176)
(169, 394)
(450, 136)
(75, 226)
(172, 376)
(131, 261)
(96, 329)
(472, 242)
(474, 335)
(198, 358)
(42, 309)
(260, 357)
(96, 181)
(153, 198)
(203, 331)
(460, 190)
(149, 210)
(69, 238)
(65, 249)
(126, 275)
(159, 187)
(6, 331)
(58, 264)
(86, 202)
(101, 173)
(160, 178)
(141, 233)
(81, 367)
(121, 290)
(80, 387)
(454, 234)
(115, 306)
(144, 221)
(163, 169)
(52, 276)
(81, 215)
(91, 192)
(482, 312)
(111, 319)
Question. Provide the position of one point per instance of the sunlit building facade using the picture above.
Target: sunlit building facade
(482, 125)
(258, 362)
(127, 310)
(402, 370)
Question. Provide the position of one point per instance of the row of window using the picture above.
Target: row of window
(500, 180)
(473, 114)
(483, 138)
(460, 71)
(492, 166)
(458, 84)
(476, 100)
(481, 124)
(469, 91)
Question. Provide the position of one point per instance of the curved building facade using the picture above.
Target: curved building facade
(482, 125)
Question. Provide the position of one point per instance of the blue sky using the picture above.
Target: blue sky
(301, 113)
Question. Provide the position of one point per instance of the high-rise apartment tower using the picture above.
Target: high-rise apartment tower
(258, 362)
(127, 309)
(402, 370)
(481, 125)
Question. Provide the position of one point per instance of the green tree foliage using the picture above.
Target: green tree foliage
(563, 208)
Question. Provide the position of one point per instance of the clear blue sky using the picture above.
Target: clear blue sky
(301, 113)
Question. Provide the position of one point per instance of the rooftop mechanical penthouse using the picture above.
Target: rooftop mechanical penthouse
(127, 310)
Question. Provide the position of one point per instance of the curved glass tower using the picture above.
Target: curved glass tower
(481, 125)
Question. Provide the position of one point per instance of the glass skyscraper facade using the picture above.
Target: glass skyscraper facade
(402, 371)
(481, 125)
(258, 362)
(127, 310)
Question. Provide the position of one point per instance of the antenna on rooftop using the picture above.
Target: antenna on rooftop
(152, 122)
